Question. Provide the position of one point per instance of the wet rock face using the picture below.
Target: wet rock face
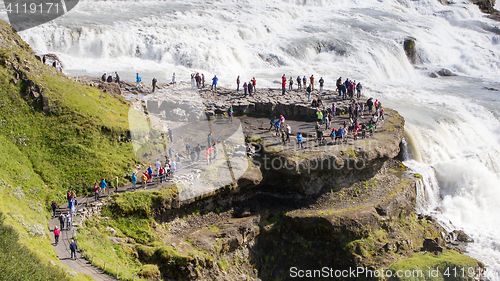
(409, 47)
(486, 6)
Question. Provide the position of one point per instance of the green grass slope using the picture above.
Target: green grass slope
(77, 140)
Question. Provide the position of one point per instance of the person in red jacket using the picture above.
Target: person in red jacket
(283, 84)
(57, 233)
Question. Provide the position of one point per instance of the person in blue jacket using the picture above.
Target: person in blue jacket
(214, 83)
(134, 180)
(138, 78)
(299, 140)
(103, 185)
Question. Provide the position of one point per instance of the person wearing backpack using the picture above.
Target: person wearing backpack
(62, 219)
(73, 247)
(309, 93)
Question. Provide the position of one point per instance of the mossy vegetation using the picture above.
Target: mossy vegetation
(450, 265)
(79, 139)
(55, 135)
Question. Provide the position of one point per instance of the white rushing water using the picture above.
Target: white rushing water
(452, 123)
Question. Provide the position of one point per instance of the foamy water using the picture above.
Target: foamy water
(453, 126)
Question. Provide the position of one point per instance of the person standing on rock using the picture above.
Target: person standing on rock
(250, 88)
(197, 149)
(245, 88)
(138, 79)
(299, 140)
(291, 84)
(209, 139)
(277, 126)
(214, 83)
(57, 233)
(117, 78)
(308, 93)
(350, 89)
(174, 82)
(321, 83)
(283, 84)
(271, 121)
(238, 84)
(339, 82)
(369, 103)
(73, 247)
(153, 83)
(197, 78)
(311, 82)
(359, 87)
(209, 151)
(203, 80)
(299, 84)
(343, 90)
(254, 85)
(134, 180)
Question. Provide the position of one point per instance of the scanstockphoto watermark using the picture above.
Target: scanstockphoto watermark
(25, 14)
(172, 125)
(363, 272)
(356, 272)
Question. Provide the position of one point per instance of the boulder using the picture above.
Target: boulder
(461, 236)
(432, 245)
(446, 72)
